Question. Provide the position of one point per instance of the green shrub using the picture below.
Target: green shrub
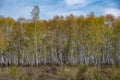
(96, 75)
(15, 72)
(81, 72)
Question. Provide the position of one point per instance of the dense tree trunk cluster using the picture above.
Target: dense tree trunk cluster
(72, 40)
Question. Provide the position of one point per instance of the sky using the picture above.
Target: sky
(51, 8)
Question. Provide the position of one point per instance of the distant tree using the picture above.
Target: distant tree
(91, 14)
(35, 13)
(109, 20)
(35, 17)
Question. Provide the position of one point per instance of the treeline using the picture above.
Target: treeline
(62, 40)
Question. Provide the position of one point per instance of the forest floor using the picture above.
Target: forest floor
(83, 72)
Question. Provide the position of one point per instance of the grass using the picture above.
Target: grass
(80, 72)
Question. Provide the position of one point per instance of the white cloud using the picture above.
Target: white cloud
(113, 11)
(49, 13)
(74, 2)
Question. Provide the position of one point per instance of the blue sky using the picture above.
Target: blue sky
(50, 8)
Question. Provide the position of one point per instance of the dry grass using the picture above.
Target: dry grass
(59, 73)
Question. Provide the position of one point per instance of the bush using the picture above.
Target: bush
(96, 75)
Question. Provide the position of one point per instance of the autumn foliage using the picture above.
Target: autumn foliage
(62, 40)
